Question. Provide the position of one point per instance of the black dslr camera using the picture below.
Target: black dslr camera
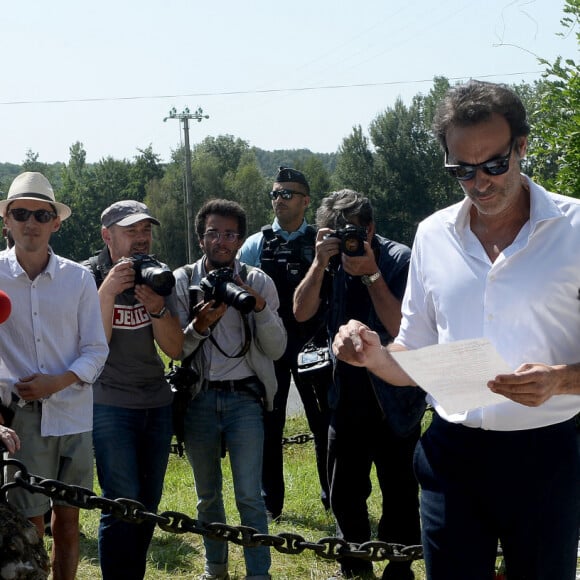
(181, 378)
(352, 239)
(152, 273)
(219, 285)
(352, 243)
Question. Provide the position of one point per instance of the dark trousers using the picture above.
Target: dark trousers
(359, 437)
(521, 487)
(314, 399)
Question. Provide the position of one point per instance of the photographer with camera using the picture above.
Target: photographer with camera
(285, 251)
(362, 275)
(132, 427)
(229, 312)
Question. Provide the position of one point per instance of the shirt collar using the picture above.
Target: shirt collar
(17, 270)
(277, 228)
(542, 208)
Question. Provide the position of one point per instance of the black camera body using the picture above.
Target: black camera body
(153, 273)
(352, 239)
(219, 285)
(182, 378)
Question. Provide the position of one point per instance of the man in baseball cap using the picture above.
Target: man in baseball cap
(126, 213)
(132, 426)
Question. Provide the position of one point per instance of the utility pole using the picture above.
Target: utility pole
(184, 117)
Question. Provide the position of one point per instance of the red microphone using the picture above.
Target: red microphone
(5, 307)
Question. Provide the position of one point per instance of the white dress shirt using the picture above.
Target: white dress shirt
(525, 302)
(55, 326)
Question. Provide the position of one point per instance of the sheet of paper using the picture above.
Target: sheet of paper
(456, 374)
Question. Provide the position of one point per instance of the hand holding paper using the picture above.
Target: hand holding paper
(456, 374)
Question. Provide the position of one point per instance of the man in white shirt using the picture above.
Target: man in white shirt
(502, 264)
(54, 348)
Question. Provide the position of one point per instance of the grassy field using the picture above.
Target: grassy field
(181, 556)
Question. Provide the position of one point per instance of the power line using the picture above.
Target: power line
(254, 91)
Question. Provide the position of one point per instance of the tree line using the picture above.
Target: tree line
(396, 162)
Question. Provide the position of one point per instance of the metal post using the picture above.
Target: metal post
(184, 117)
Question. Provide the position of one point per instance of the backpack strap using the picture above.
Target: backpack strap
(93, 264)
(244, 271)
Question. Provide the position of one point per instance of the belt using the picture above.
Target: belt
(234, 384)
(22, 403)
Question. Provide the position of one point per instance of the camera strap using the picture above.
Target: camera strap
(247, 340)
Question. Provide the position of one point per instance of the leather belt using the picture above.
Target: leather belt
(233, 384)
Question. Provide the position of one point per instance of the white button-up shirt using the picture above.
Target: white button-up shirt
(55, 326)
(525, 302)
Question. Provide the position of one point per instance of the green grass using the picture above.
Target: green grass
(173, 556)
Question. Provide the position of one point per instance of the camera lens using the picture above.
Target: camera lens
(158, 279)
(352, 246)
(235, 296)
(218, 286)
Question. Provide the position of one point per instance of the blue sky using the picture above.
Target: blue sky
(280, 75)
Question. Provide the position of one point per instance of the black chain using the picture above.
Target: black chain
(329, 548)
(299, 439)
(175, 448)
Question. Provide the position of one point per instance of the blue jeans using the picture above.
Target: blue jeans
(131, 452)
(236, 417)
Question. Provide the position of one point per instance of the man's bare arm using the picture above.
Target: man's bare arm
(356, 344)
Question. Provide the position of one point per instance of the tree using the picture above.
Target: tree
(248, 187)
(165, 200)
(355, 165)
(51, 172)
(79, 236)
(88, 191)
(401, 170)
(225, 149)
(319, 180)
(146, 168)
(559, 123)
(409, 182)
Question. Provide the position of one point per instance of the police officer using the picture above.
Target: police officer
(285, 250)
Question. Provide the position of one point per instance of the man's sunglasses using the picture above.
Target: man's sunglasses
(283, 193)
(42, 216)
(497, 166)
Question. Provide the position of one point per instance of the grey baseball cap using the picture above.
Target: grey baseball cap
(126, 213)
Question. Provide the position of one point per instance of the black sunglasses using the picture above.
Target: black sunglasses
(283, 193)
(42, 216)
(497, 166)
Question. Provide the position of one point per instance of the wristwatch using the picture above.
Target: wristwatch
(370, 280)
(159, 314)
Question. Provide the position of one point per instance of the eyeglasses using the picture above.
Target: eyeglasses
(213, 236)
(497, 166)
(283, 193)
(42, 216)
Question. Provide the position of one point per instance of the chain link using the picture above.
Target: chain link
(298, 439)
(128, 510)
(177, 448)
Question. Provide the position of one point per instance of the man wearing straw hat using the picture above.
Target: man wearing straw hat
(54, 347)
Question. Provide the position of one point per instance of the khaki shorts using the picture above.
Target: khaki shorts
(67, 458)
